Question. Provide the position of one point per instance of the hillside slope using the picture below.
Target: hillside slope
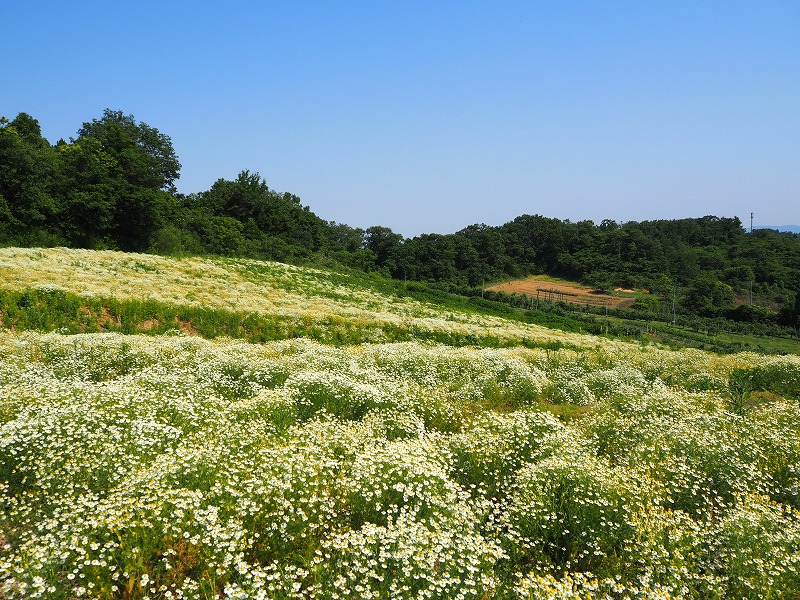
(282, 292)
(541, 464)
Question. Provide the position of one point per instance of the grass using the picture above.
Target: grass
(48, 310)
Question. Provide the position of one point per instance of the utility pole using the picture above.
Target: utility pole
(673, 306)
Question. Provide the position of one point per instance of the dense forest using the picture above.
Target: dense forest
(113, 186)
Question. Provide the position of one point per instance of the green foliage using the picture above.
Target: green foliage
(140, 154)
(570, 512)
(601, 282)
(778, 376)
(647, 304)
(708, 296)
(740, 384)
(745, 542)
(29, 210)
(488, 454)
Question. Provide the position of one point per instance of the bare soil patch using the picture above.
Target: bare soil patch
(549, 291)
(149, 325)
(187, 327)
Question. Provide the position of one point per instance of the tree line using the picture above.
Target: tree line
(112, 186)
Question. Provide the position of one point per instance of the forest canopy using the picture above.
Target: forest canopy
(113, 186)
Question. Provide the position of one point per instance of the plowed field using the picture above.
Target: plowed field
(546, 290)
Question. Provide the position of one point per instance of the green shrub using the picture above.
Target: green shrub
(570, 512)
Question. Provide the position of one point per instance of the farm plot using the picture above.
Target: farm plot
(545, 289)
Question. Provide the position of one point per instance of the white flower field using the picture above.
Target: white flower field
(173, 466)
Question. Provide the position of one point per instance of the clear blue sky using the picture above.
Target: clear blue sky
(430, 116)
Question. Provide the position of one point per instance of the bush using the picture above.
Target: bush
(570, 512)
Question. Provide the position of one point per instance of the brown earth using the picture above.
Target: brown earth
(533, 287)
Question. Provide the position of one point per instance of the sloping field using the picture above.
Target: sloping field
(544, 289)
(173, 466)
(287, 293)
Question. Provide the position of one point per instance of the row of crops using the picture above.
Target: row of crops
(177, 467)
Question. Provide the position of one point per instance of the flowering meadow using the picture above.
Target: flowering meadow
(300, 296)
(173, 466)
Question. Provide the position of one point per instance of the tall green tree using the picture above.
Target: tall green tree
(708, 296)
(385, 243)
(141, 168)
(275, 225)
(89, 192)
(29, 213)
(144, 157)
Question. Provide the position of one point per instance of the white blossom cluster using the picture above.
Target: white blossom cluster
(176, 467)
(329, 301)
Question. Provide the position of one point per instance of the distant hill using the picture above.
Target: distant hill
(787, 228)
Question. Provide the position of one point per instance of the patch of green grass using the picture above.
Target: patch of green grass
(59, 310)
(567, 413)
